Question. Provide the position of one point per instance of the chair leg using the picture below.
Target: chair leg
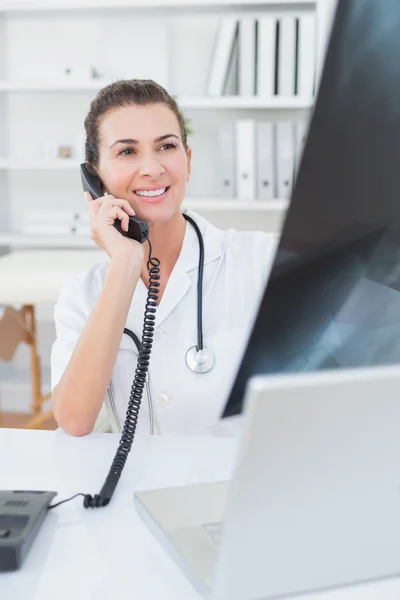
(38, 417)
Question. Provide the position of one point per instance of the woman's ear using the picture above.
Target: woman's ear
(189, 163)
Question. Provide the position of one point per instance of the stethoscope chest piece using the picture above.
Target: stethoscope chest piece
(200, 361)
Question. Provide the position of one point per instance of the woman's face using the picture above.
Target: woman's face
(142, 159)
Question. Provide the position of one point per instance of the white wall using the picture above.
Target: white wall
(39, 122)
(36, 121)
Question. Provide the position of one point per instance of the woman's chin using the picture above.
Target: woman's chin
(156, 212)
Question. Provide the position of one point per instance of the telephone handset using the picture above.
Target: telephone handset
(138, 229)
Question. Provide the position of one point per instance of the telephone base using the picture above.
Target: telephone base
(21, 516)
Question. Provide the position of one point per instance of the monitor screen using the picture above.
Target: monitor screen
(333, 296)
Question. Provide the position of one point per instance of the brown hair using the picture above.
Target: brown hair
(124, 93)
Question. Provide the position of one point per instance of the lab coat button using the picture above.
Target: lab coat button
(162, 398)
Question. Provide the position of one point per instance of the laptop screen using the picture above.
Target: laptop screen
(333, 296)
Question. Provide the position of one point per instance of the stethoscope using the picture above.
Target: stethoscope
(199, 358)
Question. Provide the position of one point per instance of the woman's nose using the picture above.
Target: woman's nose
(150, 166)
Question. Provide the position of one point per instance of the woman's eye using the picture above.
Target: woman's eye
(168, 146)
(126, 152)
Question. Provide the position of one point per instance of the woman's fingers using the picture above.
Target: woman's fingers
(108, 201)
(103, 213)
(115, 212)
(93, 206)
(101, 207)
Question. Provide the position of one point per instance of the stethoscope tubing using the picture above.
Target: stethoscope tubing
(199, 347)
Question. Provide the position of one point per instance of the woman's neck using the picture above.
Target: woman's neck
(166, 242)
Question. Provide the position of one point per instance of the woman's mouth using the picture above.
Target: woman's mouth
(153, 195)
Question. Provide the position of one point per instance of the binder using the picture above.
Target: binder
(266, 56)
(265, 162)
(245, 159)
(286, 56)
(247, 56)
(221, 56)
(231, 87)
(226, 152)
(284, 158)
(306, 55)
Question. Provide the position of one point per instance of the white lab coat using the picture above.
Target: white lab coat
(236, 267)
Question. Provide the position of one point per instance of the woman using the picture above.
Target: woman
(136, 143)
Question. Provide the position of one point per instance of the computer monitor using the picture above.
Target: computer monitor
(333, 296)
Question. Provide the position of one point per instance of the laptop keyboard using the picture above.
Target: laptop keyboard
(214, 530)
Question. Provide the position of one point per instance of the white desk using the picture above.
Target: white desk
(107, 553)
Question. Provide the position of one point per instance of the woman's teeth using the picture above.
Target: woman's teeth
(151, 192)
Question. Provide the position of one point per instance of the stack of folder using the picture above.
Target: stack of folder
(259, 160)
(264, 56)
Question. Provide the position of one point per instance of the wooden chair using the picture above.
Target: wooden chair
(29, 278)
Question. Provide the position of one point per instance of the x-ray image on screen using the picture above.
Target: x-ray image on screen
(333, 296)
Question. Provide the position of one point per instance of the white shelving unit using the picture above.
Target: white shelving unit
(274, 212)
(37, 104)
(62, 164)
(185, 102)
(69, 5)
(51, 86)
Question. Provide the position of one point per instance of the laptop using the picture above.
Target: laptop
(314, 502)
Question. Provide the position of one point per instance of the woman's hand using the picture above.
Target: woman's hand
(103, 212)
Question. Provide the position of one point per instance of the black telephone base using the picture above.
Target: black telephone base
(21, 515)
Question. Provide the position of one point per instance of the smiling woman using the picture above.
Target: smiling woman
(136, 143)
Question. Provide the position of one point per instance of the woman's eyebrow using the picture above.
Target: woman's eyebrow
(164, 137)
(131, 141)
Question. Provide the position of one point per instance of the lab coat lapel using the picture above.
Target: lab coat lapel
(136, 313)
(181, 278)
(179, 281)
(178, 285)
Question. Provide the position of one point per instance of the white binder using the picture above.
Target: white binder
(266, 56)
(231, 87)
(284, 158)
(221, 56)
(226, 153)
(265, 162)
(306, 56)
(245, 159)
(287, 56)
(247, 56)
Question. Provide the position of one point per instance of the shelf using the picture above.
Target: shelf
(17, 164)
(222, 205)
(197, 103)
(245, 102)
(61, 85)
(56, 5)
(20, 240)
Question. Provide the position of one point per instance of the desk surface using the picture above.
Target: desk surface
(108, 553)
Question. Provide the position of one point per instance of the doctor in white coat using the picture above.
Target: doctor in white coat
(136, 142)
